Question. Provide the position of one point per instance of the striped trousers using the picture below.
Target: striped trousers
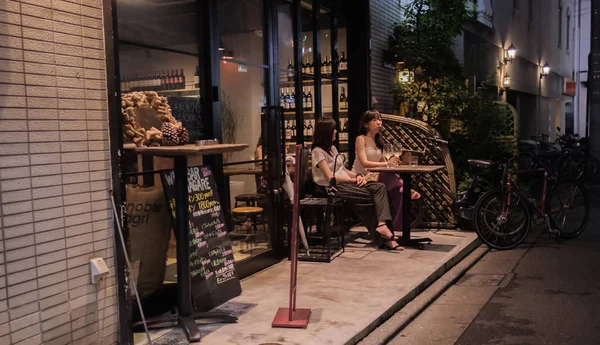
(369, 202)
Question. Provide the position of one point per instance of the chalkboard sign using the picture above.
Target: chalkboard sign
(212, 266)
(188, 110)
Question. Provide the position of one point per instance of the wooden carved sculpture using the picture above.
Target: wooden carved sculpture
(171, 133)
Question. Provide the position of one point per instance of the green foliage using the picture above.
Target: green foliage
(437, 94)
(425, 37)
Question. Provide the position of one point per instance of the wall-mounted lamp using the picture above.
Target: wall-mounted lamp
(545, 71)
(511, 53)
(505, 84)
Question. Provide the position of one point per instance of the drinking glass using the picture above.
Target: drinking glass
(414, 160)
(398, 151)
(388, 152)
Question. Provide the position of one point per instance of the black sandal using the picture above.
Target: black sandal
(393, 249)
(393, 238)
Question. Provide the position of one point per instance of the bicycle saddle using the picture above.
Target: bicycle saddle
(479, 163)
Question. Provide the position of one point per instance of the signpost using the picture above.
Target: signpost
(292, 317)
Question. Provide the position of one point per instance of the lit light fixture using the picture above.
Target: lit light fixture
(505, 84)
(227, 54)
(509, 55)
(506, 81)
(511, 52)
(545, 71)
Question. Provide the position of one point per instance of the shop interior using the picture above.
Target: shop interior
(159, 51)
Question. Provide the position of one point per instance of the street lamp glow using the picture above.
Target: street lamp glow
(546, 69)
(511, 52)
(506, 81)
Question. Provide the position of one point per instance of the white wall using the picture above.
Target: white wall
(54, 175)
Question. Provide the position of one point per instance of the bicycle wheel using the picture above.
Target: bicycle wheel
(501, 230)
(568, 208)
(592, 167)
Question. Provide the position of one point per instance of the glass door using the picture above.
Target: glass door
(253, 175)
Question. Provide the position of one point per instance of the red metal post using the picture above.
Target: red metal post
(291, 317)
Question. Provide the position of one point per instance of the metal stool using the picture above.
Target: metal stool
(250, 199)
(252, 213)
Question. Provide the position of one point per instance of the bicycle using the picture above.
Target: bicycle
(503, 216)
(462, 203)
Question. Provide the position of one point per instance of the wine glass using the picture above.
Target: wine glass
(388, 152)
(398, 151)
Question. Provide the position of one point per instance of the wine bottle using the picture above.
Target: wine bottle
(156, 81)
(293, 131)
(290, 71)
(181, 80)
(304, 99)
(197, 78)
(288, 100)
(343, 66)
(282, 99)
(310, 69)
(344, 132)
(343, 99)
(309, 100)
(288, 131)
(293, 101)
(324, 66)
(171, 80)
(328, 67)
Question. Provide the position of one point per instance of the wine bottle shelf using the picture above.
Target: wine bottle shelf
(344, 111)
(324, 81)
(178, 90)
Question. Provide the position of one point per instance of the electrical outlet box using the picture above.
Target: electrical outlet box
(98, 270)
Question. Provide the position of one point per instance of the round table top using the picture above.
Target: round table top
(415, 169)
(247, 209)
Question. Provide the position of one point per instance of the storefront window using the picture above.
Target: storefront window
(242, 78)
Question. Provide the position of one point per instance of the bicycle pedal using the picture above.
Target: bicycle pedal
(554, 232)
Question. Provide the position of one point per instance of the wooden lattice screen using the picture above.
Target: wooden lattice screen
(411, 134)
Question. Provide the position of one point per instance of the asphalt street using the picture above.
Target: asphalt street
(545, 292)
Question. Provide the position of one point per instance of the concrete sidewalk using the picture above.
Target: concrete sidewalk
(349, 297)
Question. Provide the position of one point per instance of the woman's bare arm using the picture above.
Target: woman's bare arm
(325, 169)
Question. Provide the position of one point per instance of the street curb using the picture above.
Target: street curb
(412, 304)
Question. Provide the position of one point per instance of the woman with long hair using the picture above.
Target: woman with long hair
(369, 154)
(369, 199)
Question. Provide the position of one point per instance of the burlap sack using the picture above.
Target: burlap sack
(149, 226)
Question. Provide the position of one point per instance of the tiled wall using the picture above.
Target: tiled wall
(54, 175)
(384, 14)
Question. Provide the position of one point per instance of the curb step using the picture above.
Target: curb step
(397, 322)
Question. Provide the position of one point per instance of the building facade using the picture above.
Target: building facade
(54, 175)
(542, 32)
(583, 28)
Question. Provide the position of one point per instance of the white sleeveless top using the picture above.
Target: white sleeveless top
(374, 154)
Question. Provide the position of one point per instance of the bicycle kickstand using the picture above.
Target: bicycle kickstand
(551, 231)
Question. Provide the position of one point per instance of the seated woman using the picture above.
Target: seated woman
(369, 154)
(370, 198)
